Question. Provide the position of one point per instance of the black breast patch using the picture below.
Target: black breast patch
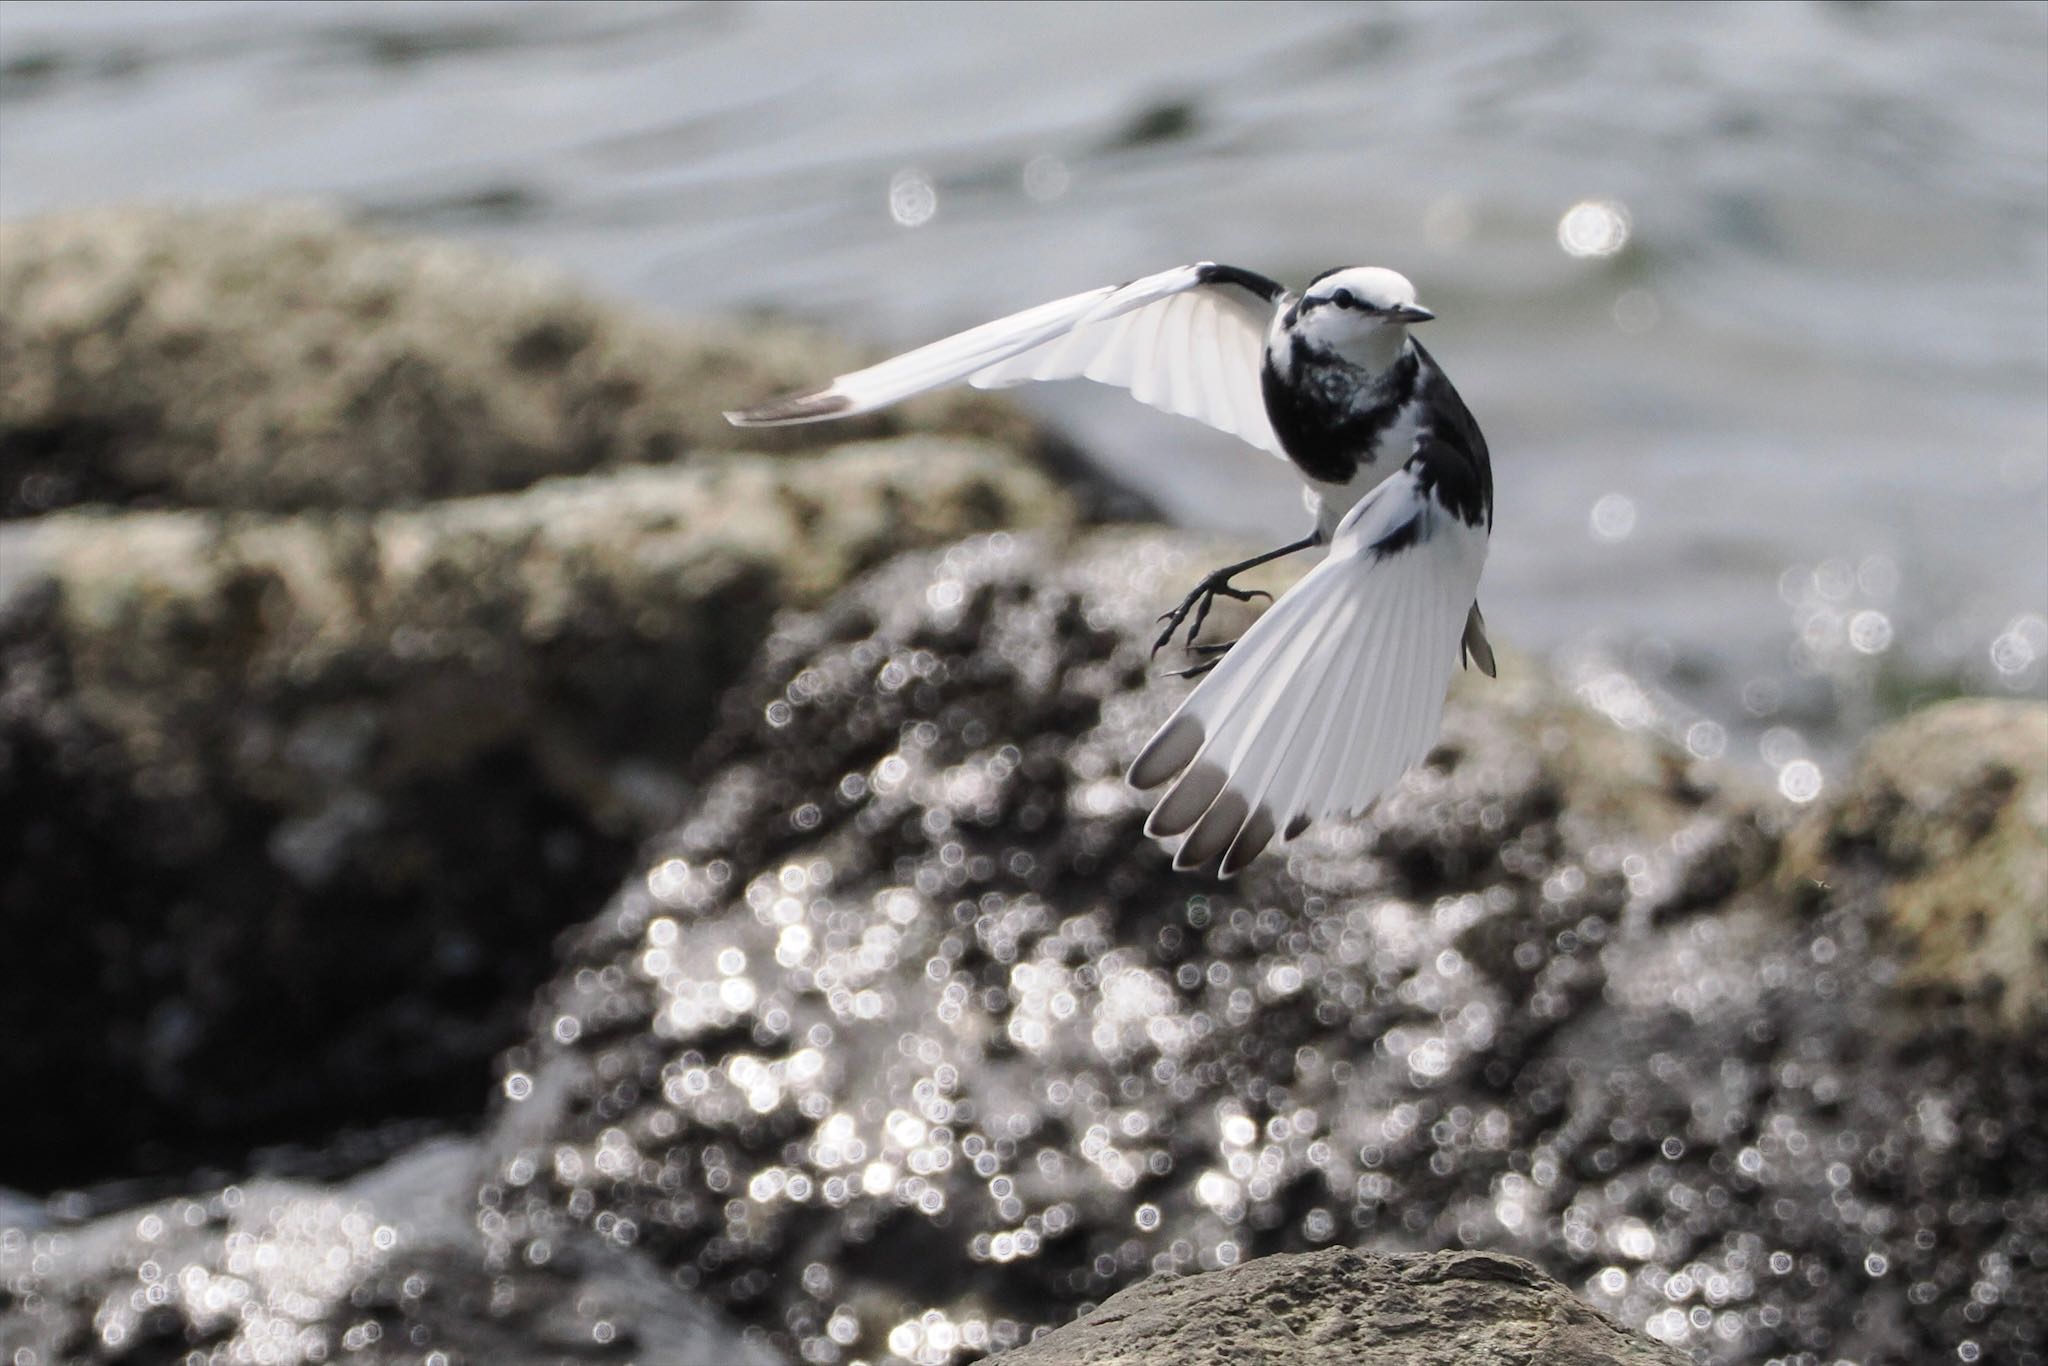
(1326, 421)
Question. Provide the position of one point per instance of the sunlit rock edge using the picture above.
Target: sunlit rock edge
(1339, 1307)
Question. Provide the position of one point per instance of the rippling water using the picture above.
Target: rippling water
(1753, 302)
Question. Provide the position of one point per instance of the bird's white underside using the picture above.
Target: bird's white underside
(1180, 348)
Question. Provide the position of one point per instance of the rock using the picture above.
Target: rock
(1947, 815)
(328, 699)
(291, 806)
(275, 357)
(1344, 1308)
(388, 1266)
(905, 1045)
(907, 1042)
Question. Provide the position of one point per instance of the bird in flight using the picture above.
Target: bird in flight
(1338, 688)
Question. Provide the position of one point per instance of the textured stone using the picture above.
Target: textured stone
(1947, 814)
(902, 1043)
(325, 785)
(1339, 1307)
(389, 1266)
(907, 1043)
(273, 356)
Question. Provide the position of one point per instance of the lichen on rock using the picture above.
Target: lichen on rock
(274, 356)
(907, 1041)
(1340, 1307)
(1947, 817)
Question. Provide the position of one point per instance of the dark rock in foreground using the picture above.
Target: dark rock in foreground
(1344, 1308)
(909, 1043)
(291, 808)
(301, 771)
(908, 1047)
(1945, 822)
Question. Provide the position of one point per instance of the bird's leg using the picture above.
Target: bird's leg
(1218, 585)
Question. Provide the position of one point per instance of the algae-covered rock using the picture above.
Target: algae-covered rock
(290, 807)
(1947, 816)
(274, 356)
(1339, 1307)
(906, 1045)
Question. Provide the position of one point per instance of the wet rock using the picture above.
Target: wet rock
(1344, 1308)
(291, 807)
(327, 698)
(1946, 823)
(276, 357)
(389, 1266)
(908, 1044)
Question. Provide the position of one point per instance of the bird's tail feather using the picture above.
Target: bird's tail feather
(1333, 694)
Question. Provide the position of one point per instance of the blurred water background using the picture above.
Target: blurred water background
(1752, 301)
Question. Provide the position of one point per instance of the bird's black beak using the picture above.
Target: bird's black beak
(1411, 313)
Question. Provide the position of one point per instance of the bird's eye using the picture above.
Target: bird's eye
(1342, 298)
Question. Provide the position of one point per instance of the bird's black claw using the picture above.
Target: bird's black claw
(1211, 655)
(1198, 603)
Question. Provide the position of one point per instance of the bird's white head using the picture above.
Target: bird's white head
(1361, 313)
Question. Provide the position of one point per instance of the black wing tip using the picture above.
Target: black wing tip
(1210, 273)
(816, 406)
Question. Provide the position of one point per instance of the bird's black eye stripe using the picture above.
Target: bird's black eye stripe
(1344, 298)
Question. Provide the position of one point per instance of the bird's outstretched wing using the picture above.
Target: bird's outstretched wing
(1189, 341)
(1338, 688)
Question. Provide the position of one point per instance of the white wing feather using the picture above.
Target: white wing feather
(1174, 344)
(1177, 343)
(1331, 695)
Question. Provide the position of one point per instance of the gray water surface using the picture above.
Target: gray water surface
(1752, 301)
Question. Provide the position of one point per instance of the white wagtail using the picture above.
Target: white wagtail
(1339, 687)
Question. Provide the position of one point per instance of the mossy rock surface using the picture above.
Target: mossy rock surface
(1947, 814)
(1341, 1307)
(276, 356)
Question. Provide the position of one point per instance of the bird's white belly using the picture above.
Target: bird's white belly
(1328, 502)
